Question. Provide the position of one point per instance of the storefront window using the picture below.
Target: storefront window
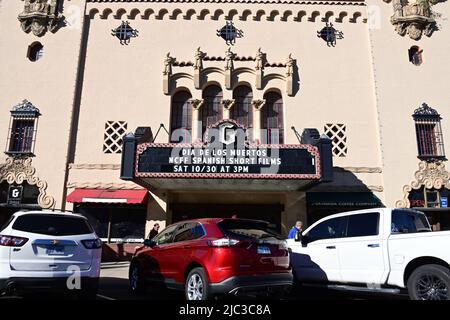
(116, 224)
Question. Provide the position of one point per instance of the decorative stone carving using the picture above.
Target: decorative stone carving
(229, 56)
(413, 17)
(167, 72)
(197, 103)
(258, 103)
(168, 61)
(198, 65)
(104, 185)
(430, 175)
(290, 75)
(289, 65)
(38, 16)
(228, 103)
(25, 109)
(197, 71)
(17, 170)
(259, 60)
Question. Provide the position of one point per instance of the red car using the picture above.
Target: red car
(209, 257)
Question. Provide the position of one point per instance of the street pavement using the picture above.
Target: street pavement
(114, 285)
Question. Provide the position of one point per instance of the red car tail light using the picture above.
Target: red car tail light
(223, 242)
(10, 241)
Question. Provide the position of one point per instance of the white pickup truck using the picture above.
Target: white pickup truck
(382, 249)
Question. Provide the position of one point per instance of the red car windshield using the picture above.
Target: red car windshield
(248, 230)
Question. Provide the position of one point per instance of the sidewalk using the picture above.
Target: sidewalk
(114, 270)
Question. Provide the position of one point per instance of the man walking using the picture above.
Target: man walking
(295, 229)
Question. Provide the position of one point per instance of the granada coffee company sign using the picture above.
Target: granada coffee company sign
(227, 154)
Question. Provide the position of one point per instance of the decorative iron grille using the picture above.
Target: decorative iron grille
(114, 133)
(329, 34)
(22, 129)
(124, 32)
(230, 33)
(337, 133)
(430, 142)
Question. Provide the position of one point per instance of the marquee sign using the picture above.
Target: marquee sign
(227, 155)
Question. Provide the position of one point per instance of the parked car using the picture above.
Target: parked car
(384, 250)
(209, 257)
(41, 250)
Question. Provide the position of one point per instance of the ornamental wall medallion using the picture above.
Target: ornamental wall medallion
(38, 16)
(18, 170)
(414, 17)
(431, 175)
(230, 33)
(124, 33)
(329, 34)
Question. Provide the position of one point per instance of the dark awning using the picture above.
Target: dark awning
(342, 199)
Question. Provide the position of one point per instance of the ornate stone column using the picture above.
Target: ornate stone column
(196, 121)
(257, 106)
(227, 104)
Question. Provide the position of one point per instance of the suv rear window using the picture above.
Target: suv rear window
(247, 230)
(52, 225)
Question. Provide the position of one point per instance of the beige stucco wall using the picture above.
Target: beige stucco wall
(125, 82)
(48, 83)
(402, 87)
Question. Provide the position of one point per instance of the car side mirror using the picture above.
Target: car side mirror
(298, 236)
(149, 243)
(305, 240)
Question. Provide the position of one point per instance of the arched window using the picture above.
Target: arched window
(212, 108)
(242, 110)
(181, 118)
(272, 119)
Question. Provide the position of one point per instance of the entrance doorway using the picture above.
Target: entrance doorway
(267, 212)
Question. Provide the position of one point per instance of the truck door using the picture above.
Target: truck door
(318, 261)
(361, 252)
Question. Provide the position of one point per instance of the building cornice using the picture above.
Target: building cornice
(334, 2)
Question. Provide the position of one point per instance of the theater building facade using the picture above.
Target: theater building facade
(136, 112)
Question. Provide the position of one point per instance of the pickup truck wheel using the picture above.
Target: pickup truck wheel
(197, 285)
(429, 282)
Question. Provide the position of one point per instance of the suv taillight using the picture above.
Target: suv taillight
(223, 242)
(92, 244)
(10, 241)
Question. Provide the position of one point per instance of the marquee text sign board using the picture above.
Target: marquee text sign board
(227, 154)
(263, 161)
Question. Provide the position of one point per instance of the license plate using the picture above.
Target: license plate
(55, 250)
(263, 250)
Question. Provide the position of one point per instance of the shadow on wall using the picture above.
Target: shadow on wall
(346, 181)
(296, 78)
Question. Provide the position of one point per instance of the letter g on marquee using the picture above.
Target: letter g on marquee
(227, 133)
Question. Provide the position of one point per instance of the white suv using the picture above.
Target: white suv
(50, 251)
